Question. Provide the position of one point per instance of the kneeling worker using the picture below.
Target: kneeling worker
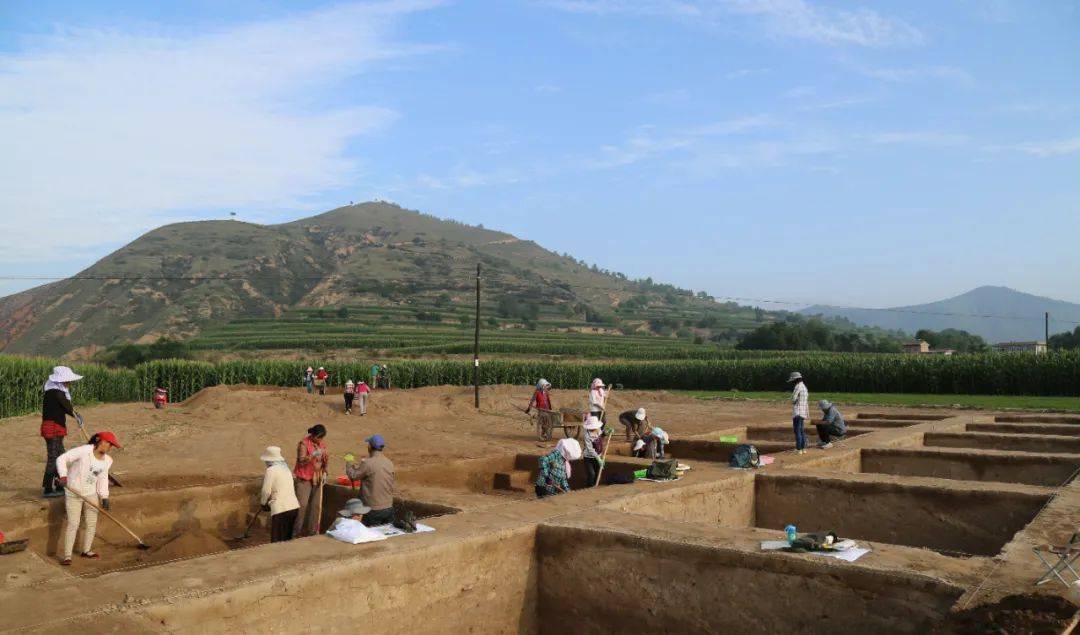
(832, 425)
(354, 510)
(376, 474)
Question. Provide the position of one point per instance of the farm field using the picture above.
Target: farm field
(984, 402)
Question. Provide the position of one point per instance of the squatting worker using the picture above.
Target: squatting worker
(278, 495)
(310, 473)
(84, 473)
(598, 400)
(55, 407)
(800, 410)
(362, 391)
(593, 450)
(541, 398)
(635, 422)
(554, 477)
(376, 476)
(832, 425)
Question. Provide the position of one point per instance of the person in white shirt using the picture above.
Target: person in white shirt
(800, 410)
(598, 400)
(83, 472)
(278, 495)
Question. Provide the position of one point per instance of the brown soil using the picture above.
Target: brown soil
(185, 544)
(1014, 615)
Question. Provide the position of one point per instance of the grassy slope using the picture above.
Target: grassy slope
(987, 402)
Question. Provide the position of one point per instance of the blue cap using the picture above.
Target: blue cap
(376, 441)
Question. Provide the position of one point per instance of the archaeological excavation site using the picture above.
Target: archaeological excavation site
(949, 504)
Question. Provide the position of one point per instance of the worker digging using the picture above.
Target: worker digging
(83, 472)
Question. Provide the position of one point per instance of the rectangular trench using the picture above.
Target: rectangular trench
(1013, 442)
(1048, 470)
(594, 581)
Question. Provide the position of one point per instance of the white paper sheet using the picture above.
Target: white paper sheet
(391, 531)
(847, 555)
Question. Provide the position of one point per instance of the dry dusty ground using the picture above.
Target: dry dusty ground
(218, 434)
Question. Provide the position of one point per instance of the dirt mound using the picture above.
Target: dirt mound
(185, 544)
(1013, 614)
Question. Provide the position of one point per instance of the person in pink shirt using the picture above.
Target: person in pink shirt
(84, 474)
(362, 391)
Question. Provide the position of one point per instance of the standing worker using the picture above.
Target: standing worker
(278, 495)
(320, 380)
(84, 473)
(310, 473)
(375, 375)
(832, 425)
(362, 392)
(541, 398)
(309, 380)
(800, 410)
(161, 397)
(593, 450)
(635, 422)
(598, 400)
(55, 407)
(376, 476)
(554, 476)
(349, 393)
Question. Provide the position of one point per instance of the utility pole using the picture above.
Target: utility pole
(476, 345)
(1047, 330)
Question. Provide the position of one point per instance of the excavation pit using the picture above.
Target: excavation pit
(718, 451)
(756, 435)
(1058, 429)
(182, 523)
(1067, 419)
(1011, 442)
(953, 520)
(916, 418)
(885, 423)
(1049, 470)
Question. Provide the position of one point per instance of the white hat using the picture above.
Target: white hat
(570, 449)
(63, 374)
(309, 368)
(638, 445)
(272, 453)
(321, 368)
(349, 383)
(640, 414)
(592, 423)
(597, 383)
(793, 376)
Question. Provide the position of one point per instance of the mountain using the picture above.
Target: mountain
(178, 279)
(1023, 314)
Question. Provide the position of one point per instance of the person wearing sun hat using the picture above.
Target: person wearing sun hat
(278, 495)
(592, 449)
(634, 421)
(376, 476)
(83, 472)
(55, 408)
(800, 410)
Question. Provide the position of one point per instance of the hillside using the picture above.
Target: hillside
(376, 258)
(1024, 313)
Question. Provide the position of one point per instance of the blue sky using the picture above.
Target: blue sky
(830, 152)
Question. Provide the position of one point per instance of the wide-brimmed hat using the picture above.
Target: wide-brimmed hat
(63, 374)
(350, 383)
(824, 404)
(592, 423)
(640, 414)
(271, 453)
(353, 507)
(597, 383)
(793, 376)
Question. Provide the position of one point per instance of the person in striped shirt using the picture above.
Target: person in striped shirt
(800, 410)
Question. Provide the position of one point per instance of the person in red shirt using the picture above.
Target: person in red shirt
(541, 399)
(161, 397)
(320, 380)
(310, 474)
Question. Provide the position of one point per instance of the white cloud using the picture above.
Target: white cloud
(794, 19)
(918, 138)
(108, 132)
(902, 75)
(547, 88)
(745, 72)
(1048, 148)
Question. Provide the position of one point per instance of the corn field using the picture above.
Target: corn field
(1058, 373)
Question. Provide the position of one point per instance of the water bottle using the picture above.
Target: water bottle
(791, 535)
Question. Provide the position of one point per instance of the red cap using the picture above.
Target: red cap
(110, 437)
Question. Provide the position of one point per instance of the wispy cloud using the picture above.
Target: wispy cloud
(918, 138)
(795, 19)
(745, 72)
(1047, 148)
(110, 131)
(547, 88)
(902, 75)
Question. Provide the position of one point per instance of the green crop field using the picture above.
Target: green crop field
(1054, 374)
(982, 402)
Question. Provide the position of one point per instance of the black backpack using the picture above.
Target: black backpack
(663, 469)
(745, 455)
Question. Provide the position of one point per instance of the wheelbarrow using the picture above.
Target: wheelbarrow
(548, 420)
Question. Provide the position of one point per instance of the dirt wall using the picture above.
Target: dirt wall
(602, 582)
(976, 522)
(1014, 442)
(1061, 429)
(728, 502)
(1048, 470)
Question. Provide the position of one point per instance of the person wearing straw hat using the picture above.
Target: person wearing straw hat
(800, 410)
(592, 449)
(554, 476)
(376, 476)
(635, 421)
(278, 495)
(55, 408)
(83, 472)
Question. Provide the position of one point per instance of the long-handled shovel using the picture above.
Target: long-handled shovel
(607, 445)
(86, 437)
(247, 530)
(141, 545)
